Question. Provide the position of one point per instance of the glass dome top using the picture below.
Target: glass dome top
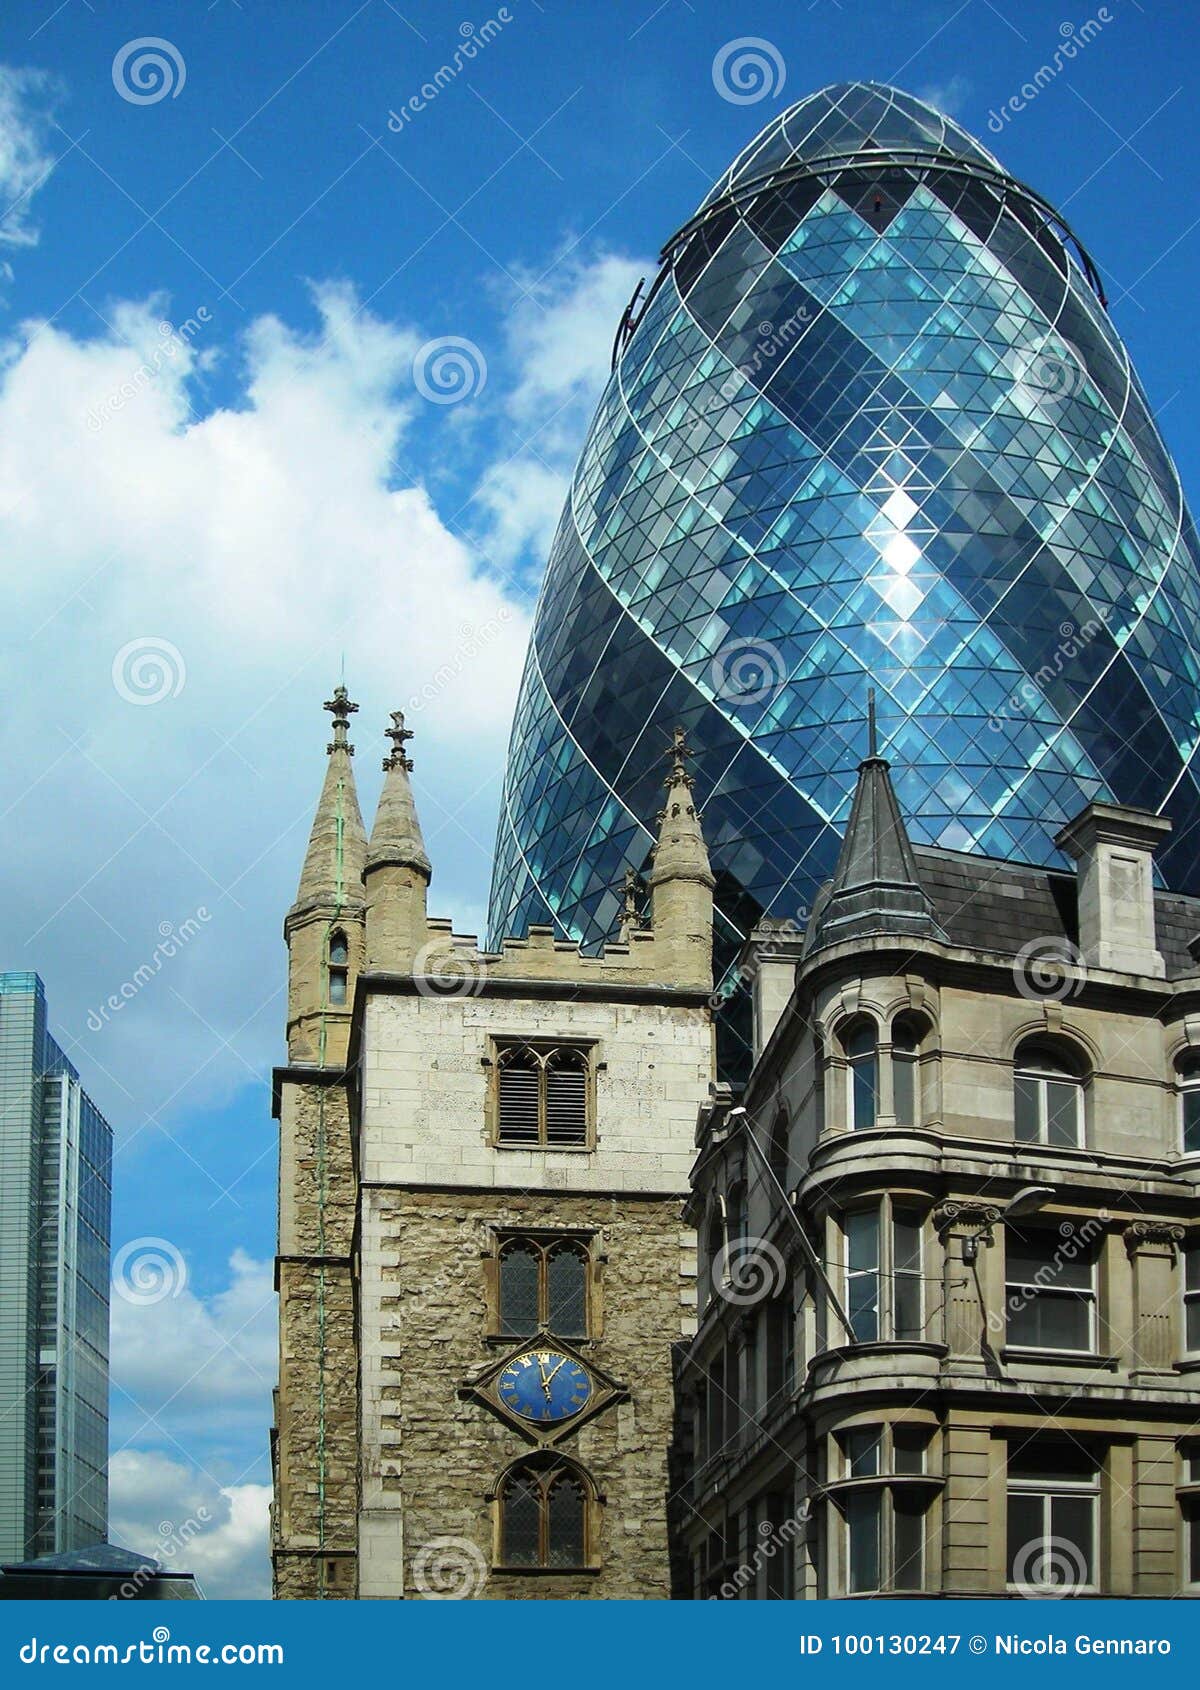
(848, 117)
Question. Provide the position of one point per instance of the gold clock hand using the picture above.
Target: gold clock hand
(545, 1380)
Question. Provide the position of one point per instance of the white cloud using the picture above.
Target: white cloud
(185, 1520)
(560, 342)
(950, 96)
(263, 539)
(26, 99)
(177, 1360)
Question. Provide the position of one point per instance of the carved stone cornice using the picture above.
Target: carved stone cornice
(970, 1212)
(1145, 1235)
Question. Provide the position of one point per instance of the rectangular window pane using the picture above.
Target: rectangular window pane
(1192, 1323)
(906, 1282)
(1049, 1320)
(864, 1086)
(862, 1452)
(1066, 1260)
(1191, 1120)
(1191, 1268)
(1026, 1105)
(1192, 1528)
(1062, 1112)
(862, 1240)
(908, 1531)
(862, 1525)
(1073, 1522)
(862, 1280)
(863, 1307)
(909, 1444)
(1025, 1528)
(904, 1084)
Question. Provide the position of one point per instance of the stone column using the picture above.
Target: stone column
(1151, 1335)
(973, 1318)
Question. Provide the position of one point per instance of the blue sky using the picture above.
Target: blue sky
(222, 472)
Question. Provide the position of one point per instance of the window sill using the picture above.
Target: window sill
(499, 1570)
(510, 1340)
(543, 1149)
(878, 1481)
(1061, 1358)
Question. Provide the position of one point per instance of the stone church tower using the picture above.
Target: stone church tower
(482, 1266)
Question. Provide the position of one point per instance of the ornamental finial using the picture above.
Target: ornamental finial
(678, 753)
(341, 709)
(872, 746)
(399, 735)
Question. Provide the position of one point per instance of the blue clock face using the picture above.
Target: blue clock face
(545, 1386)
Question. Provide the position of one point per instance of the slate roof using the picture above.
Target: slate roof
(990, 905)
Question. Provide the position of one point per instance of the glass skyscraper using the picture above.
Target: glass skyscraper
(871, 427)
(55, 1161)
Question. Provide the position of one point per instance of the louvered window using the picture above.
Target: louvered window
(542, 1097)
(520, 1092)
(566, 1098)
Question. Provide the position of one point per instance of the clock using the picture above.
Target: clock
(544, 1386)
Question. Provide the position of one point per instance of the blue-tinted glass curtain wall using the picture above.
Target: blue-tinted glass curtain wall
(872, 428)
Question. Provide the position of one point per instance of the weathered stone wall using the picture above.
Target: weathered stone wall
(315, 1517)
(425, 1092)
(438, 1458)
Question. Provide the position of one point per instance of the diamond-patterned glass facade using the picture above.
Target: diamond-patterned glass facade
(872, 429)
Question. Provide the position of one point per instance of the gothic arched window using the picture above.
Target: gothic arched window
(339, 967)
(543, 1286)
(544, 1506)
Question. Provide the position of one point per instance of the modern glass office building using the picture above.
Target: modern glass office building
(871, 427)
(55, 1159)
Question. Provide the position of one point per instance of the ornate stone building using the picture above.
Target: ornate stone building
(949, 1333)
(483, 1269)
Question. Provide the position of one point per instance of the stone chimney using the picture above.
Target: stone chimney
(1113, 848)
